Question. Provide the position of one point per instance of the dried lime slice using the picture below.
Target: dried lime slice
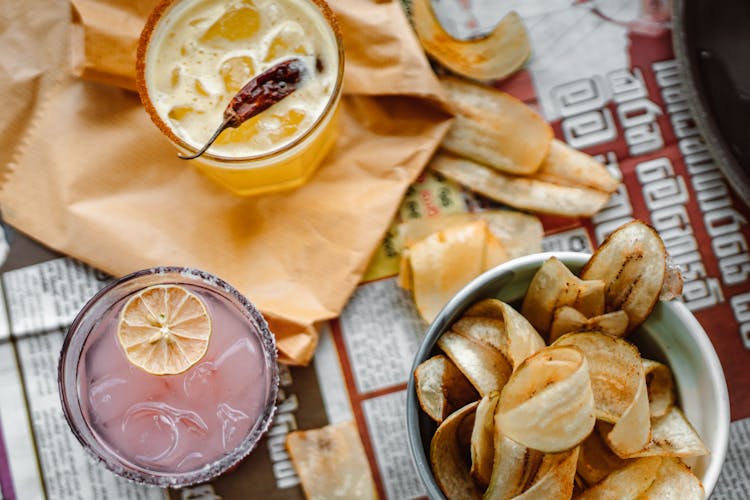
(164, 329)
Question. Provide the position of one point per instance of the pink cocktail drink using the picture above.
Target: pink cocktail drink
(170, 429)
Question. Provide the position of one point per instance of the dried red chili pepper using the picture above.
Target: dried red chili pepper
(259, 94)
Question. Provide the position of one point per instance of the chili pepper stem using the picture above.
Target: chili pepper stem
(224, 125)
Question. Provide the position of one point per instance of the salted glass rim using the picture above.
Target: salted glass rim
(75, 340)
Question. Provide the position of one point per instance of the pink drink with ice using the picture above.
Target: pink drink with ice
(175, 429)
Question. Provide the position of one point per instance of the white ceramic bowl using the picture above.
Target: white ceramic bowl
(671, 335)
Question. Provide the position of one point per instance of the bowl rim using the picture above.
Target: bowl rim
(495, 279)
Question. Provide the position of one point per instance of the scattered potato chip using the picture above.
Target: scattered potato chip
(331, 462)
(568, 320)
(495, 129)
(412, 230)
(485, 367)
(632, 262)
(554, 479)
(548, 404)
(553, 286)
(673, 436)
(524, 193)
(439, 265)
(482, 443)
(630, 481)
(661, 396)
(514, 466)
(595, 460)
(497, 55)
(569, 167)
(442, 388)
(449, 466)
(674, 481)
(520, 233)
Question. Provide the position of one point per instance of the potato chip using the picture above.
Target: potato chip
(514, 466)
(412, 230)
(482, 444)
(630, 481)
(442, 388)
(548, 404)
(552, 286)
(488, 331)
(568, 320)
(672, 287)
(554, 479)
(633, 429)
(673, 436)
(492, 57)
(595, 460)
(632, 261)
(495, 129)
(590, 300)
(520, 233)
(485, 367)
(614, 323)
(442, 263)
(661, 396)
(331, 462)
(448, 461)
(615, 369)
(570, 167)
(518, 339)
(674, 481)
(524, 193)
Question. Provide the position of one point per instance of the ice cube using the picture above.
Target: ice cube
(103, 401)
(236, 72)
(241, 372)
(289, 41)
(234, 425)
(191, 461)
(152, 431)
(154, 427)
(289, 124)
(240, 22)
(200, 380)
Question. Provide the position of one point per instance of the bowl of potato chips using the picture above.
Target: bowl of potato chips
(561, 375)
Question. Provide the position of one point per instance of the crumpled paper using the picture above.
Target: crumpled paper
(95, 179)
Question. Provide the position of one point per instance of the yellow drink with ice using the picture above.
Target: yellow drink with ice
(195, 55)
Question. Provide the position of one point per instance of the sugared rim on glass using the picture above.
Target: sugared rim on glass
(139, 474)
(140, 82)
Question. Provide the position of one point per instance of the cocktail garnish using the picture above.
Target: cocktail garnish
(164, 329)
(259, 94)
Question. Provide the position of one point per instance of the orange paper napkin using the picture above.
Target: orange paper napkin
(95, 179)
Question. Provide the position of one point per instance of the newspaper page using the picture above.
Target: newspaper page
(603, 72)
